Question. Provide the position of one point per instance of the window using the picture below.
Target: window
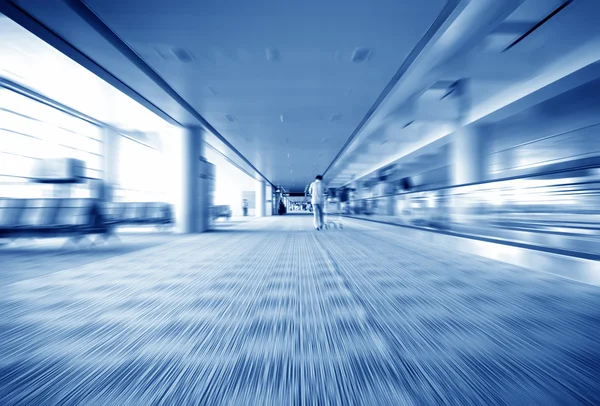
(30, 131)
(141, 175)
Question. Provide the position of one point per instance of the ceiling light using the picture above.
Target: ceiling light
(360, 55)
(229, 118)
(272, 54)
(281, 118)
(183, 55)
(335, 117)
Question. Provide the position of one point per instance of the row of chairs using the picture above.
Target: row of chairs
(48, 217)
(72, 217)
(221, 211)
(134, 213)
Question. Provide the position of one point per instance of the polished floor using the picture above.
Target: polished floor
(272, 312)
(30, 258)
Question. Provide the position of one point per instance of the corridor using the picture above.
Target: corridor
(273, 312)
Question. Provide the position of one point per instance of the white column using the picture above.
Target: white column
(470, 164)
(269, 200)
(111, 141)
(470, 155)
(261, 191)
(194, 200)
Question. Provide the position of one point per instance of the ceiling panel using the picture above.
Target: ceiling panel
(261, 61)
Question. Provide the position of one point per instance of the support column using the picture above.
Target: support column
(470, 155)
(470, 144)
(390, 199)
(261, 192)
(110, 154)
(470, 164)
(194, 203)
(269, 200)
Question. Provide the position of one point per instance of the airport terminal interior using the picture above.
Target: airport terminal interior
(317, 202)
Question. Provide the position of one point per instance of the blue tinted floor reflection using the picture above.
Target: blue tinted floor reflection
(278, 314)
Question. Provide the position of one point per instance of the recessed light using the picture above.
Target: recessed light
(335, 117)
(272, 54)
(183, 55)
(360, 55)
(281, 118)
(229, 118)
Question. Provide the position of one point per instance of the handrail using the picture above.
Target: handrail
(593, 165)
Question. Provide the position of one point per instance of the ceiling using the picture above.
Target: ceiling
(307, 87)
(286, 83)
(412, 128)
(27, 61)
(277, 79)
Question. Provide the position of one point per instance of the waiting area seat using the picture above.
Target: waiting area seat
(137, 213)
(38, 218)
(45, 218)
(222, 211)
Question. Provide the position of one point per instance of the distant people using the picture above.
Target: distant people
(281, 208)
(317, 199)
(245, 207)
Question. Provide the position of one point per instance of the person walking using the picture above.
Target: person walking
(317, 199)
(245, 207)
(282, 208)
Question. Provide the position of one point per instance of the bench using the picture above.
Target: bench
(137, 213)
(222, 211)
(46, 218)
(75, 218)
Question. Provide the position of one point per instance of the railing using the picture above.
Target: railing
(560, 210)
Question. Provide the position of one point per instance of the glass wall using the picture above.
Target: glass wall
(558, 210)
(31, 131)
(232, 184)
(142, 175)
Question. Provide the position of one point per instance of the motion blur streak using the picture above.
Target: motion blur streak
(358, 316)
(299, 203)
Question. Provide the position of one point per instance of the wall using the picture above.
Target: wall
(564, 128)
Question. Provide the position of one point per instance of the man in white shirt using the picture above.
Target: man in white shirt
(317, 193)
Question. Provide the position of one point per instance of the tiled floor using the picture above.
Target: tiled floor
(272, 312)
